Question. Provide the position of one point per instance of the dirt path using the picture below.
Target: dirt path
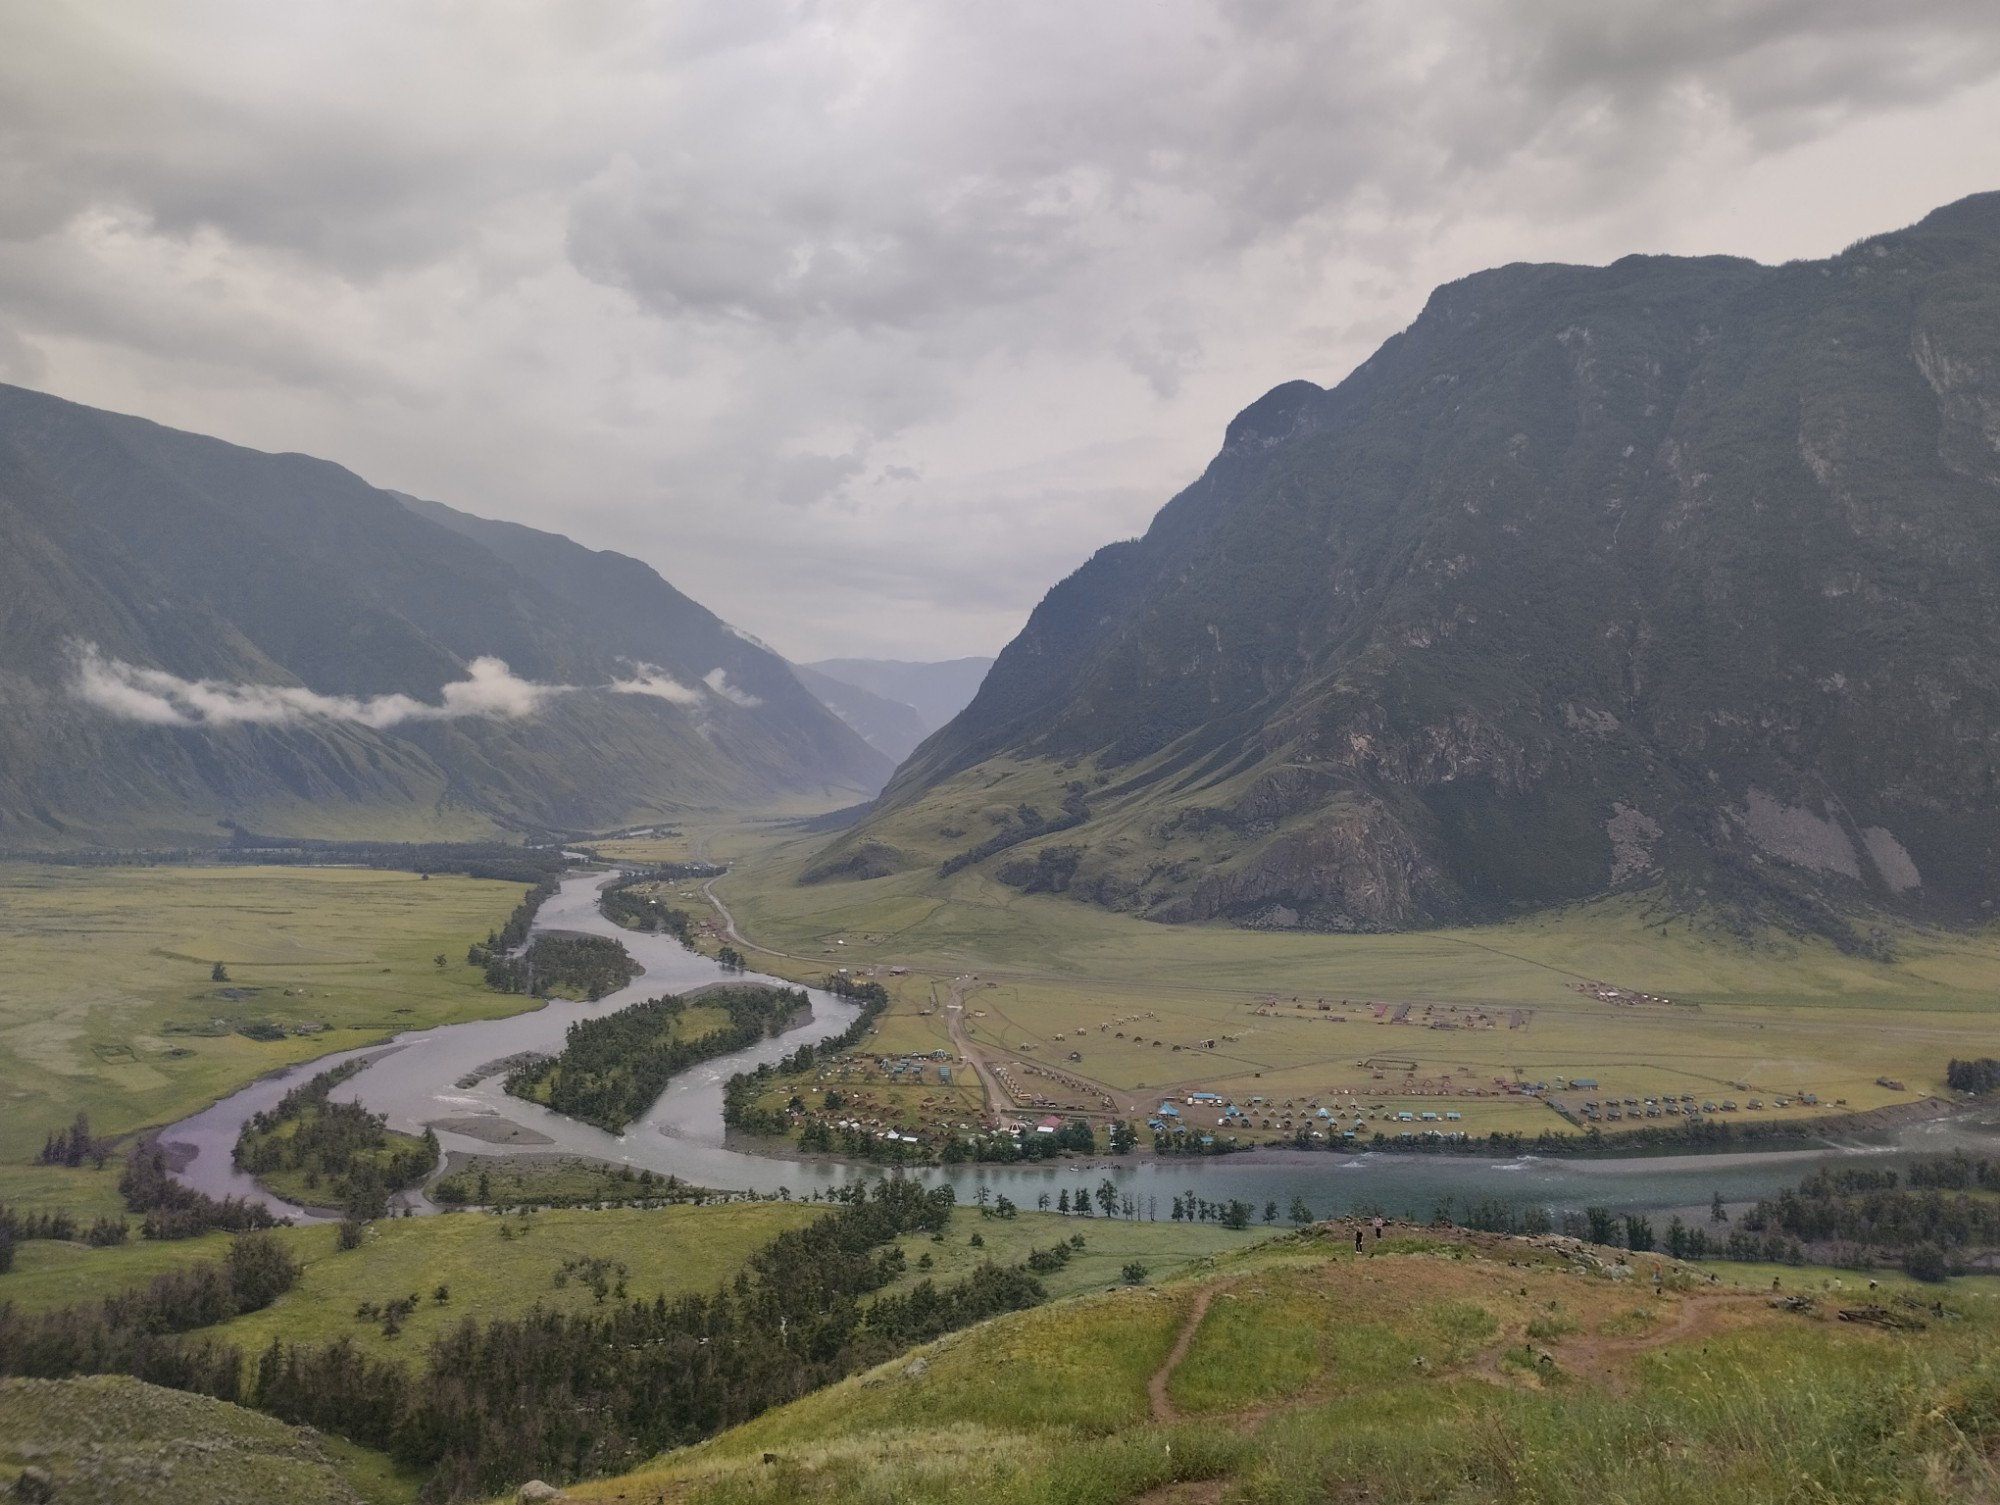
(997, 1099)
(1156, 1387)
(1696, 1315)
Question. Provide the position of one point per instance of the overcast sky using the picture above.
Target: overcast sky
(864, 323)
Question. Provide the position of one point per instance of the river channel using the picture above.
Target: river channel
(414, 1079)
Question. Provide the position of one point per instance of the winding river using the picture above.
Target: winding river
(413, 1081)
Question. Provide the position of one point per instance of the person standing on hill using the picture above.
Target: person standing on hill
(1378, 1228)
(1357, 1241)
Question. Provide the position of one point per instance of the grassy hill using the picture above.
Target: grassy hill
(107, 1440)
(1594, 577)
(1429, 1368)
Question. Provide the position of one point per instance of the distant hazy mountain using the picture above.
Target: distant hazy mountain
(192, 633)
(889, 726)
(937, 692)
(1593, 577)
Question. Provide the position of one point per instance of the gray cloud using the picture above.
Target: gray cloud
(865, 321)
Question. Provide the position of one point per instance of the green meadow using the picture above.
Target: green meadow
(1148, 1010)
(110, 1005)
(490, 1265)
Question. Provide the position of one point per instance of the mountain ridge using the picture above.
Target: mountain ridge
(1680, 569)
(247, 616)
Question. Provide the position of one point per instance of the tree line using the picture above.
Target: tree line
(613, 1069)
(137, 1332)
(1977, 1077)
(1931, 1226)
(74, 1145)
(169, 1210)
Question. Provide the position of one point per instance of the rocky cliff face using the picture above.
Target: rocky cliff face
(1673, 570)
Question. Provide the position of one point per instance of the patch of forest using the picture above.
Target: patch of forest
(551, 1395)
(1977, 1077)
(590, 965)
(333, 1154)
(1941, 1211)
(612, 1069)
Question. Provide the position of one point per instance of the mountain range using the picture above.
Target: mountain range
(197, 638)
(894, 704)
(1677, 572)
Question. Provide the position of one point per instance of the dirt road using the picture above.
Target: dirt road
(997, 1100)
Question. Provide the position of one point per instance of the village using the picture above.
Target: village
(991, 1078)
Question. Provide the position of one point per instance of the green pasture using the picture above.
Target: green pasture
(1165, 1248)
(87, 1194)
(1782, 1014)
(664, 1251)
(109, 1005)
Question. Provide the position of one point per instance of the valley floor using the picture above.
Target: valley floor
(1617, 1009)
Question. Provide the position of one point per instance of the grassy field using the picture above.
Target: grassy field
(1166, 1249)
(110, 1007)
(86, 1193)
(1489, 1006)
(538, 1180)
(663, 1251)
(1464, 1369)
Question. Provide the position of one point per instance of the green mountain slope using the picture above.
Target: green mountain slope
(262, 585)
(1593, 576)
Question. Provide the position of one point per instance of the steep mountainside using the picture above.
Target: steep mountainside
(194, 634)
(1682, 569)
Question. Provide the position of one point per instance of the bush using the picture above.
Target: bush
(1926, 1262)
(1134, 1274)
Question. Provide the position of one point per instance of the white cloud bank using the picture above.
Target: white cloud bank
(650, 679)
(490, 689)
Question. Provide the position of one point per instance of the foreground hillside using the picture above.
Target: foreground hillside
(194, 635)
(1427, 1369)
(1594, 575)
(107, 1440)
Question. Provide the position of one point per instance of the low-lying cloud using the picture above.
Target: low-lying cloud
(718, 681)
(154, 697)
(650, 679)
